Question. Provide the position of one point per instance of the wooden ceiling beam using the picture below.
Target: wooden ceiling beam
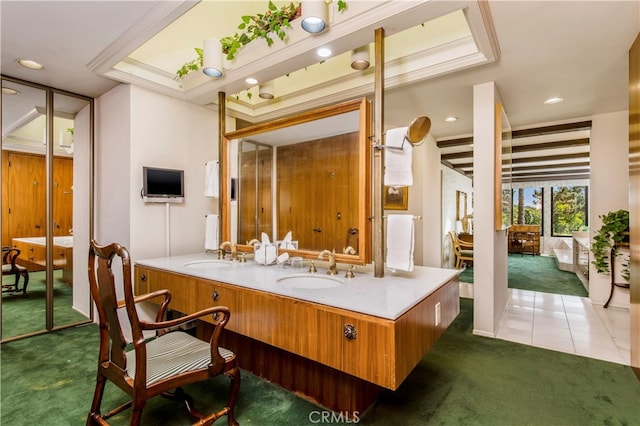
(543, 158)
(551, 166)
(549, 172)
(455, 142)
(550, 145)
(550, 177)
(549, 130)
(524, 133)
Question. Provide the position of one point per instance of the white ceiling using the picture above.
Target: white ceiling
(573, 49)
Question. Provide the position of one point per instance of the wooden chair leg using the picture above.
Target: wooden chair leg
(136, 413)
(97, 401)
(234, 375)
(24, 285)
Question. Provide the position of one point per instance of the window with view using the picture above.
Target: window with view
(527, 206)
(569, 210)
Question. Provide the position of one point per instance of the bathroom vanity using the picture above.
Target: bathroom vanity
(334, 340)
(33, 252)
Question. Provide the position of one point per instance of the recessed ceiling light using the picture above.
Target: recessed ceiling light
(324, 52)
(553, 101)
(451, 119)
(9, 91)
(28, 63)
(251, 80)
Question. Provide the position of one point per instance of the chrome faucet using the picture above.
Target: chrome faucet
(232, 247)
(332, 261)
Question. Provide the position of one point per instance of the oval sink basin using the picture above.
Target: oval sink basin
(208, 264)
(310, 281)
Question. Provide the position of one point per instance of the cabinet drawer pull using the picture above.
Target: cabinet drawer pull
(216, 315)
(215, 295)
(143, 277)
(350, 331)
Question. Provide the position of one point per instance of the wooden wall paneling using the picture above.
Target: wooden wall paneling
(27, 190)
(283, 190)
(247, 226)
(265, 190)
(62, 195)
(6, 236)
(24, 189)
(314, 185)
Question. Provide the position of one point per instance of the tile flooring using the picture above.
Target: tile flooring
(567, 324)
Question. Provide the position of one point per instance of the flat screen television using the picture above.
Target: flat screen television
(162, 185)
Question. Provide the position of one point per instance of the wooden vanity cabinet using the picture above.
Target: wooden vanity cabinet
(182, 287)
(376, 350)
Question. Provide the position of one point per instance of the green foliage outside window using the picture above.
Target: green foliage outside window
(569, 211)
(527, 206)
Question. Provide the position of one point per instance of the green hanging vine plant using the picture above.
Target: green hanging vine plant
(272, 23)
(614, 230)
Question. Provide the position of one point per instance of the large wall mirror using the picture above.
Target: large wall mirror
(308, 175)
(46, 175)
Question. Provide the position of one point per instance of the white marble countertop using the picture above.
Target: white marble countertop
(64, 241)
(388, 297)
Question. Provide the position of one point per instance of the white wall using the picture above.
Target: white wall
(112, 159)
(427, 167)
(81, 209)
(452, 181)
(173, 134)
(490, 246)
(424, 201)
(609, 189)
(137, 127)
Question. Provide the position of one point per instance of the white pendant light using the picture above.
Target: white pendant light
(212, 57)
(265, 90)
(360, 58)
(314, 16)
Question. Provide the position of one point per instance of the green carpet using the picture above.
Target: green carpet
(463, 380)
(22, 316)
(537, 273)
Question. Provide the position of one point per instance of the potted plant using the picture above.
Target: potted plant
(614, 230)
(262, 25)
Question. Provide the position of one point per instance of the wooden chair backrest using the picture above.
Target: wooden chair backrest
(9, 257)
(103, 289)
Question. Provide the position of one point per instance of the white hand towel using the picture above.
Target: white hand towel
(400, 242)
(397, 163)
(211, 179)
(287, 242)
(211, 232)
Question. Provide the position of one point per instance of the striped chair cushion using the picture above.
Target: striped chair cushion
(174, 353)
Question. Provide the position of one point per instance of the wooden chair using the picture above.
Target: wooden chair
(9, 267)
(463, 250)
(159, 366)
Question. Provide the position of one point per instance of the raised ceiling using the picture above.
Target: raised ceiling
(533, 50)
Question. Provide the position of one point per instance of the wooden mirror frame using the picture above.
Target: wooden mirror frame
(364, 175)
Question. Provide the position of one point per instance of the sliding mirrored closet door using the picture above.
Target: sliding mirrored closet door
(46, 176)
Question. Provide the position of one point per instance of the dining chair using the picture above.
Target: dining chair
(160, 365)
(10, 267)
